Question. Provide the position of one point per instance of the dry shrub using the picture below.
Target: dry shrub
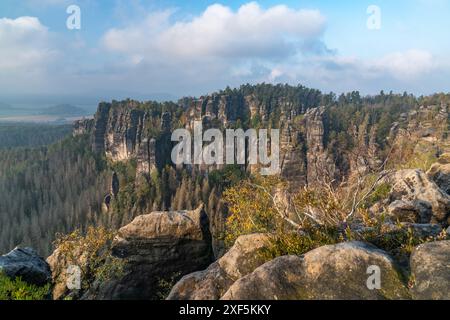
(90, 252)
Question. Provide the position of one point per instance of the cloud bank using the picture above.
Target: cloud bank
(199, 54)
(248, 33)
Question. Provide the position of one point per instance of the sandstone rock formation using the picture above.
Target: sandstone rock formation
(420, 198)
(83, 126)
(292, 156)
(430, 269)
(244, 257)
(320, 166)
(407, 211)
(440, 173)
(155, 247)
(330, 272)
(26, 264)
(124, 131)
(59, 266)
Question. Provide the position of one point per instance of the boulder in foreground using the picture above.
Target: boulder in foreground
(244, 257)
(430, 271)
(416, 198)
(157, 247)
(332, 272)
(26, 264)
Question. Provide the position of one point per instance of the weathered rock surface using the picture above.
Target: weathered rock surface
(122, 131)
(156, 247)
(210, 284)
(440, 174)
(83, 126)
(60, 267)
(430, 270)
(424, 230)
(405, 211)
(419, 196)
(293, 156)
(330, 272)
(26, 264)
(319, 163)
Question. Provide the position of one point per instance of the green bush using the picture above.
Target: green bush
(19, 290)
(381, 192)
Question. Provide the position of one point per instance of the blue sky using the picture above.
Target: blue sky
(146, 48)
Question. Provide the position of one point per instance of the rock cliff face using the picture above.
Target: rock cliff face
(157, 247)
(83, 126)
(318, 161)
(125, 131)
(129, 130)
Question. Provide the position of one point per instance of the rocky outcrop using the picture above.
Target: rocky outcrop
(419, 198)
(100, 123)
(60, 267)
(244, 257)
(365, 155)
(430, 271)
(407, 211)
(220, 108)
(292, 156)
(156, 247)
(320, 166)
(339, 271)
(440, 173)
(146, 157)
(125, 131)
(424, 231)
(26, 264)
(83, 126)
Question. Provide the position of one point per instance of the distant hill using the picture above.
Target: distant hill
(64, 110)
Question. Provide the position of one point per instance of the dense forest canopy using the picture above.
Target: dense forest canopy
(47, 190)
(14, 135)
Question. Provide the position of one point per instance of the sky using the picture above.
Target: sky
(158, 49)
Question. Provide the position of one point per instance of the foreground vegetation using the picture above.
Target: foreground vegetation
(312, 217)
(19, 290)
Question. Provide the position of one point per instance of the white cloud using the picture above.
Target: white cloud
(406, 65)
(24, 42)
(410, 70)
(162, 52)
(219, 32)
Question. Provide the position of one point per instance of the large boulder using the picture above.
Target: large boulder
(332, 272)
(407, 211)
(245, 256)
(26, 264)
(430, 271)
(440, 174)
(424, 231)
(157, 247)
(415, 197)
